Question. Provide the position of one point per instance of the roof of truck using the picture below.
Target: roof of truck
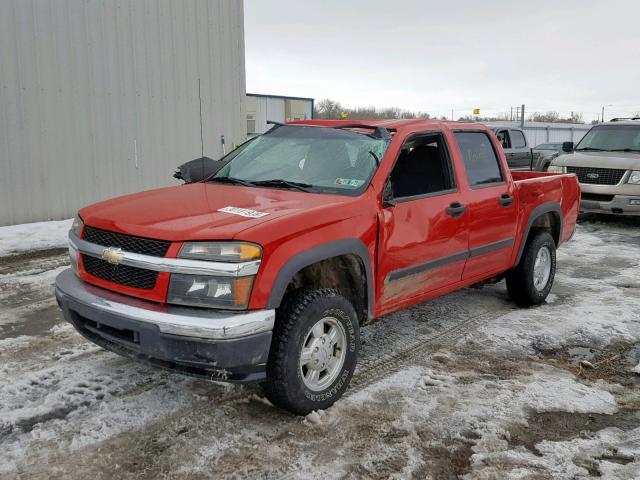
(392, 124)
(621, 121)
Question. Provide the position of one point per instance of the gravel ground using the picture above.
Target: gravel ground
(467, 386)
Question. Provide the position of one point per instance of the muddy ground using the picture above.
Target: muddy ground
(467, 386)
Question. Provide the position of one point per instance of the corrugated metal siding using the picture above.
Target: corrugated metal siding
(99, 99)
(551, 134)
(541, 132)
(273, 108)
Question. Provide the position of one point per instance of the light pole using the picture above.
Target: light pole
(603, 111)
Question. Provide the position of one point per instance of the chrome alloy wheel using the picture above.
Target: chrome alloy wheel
(323, 353)
(542, 269)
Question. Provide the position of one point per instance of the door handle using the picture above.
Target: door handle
(505, 200)
(456, 209)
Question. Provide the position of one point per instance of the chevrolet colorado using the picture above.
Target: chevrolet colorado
(266, 269)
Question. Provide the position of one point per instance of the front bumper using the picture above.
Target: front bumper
(619, 205)
(219, 345)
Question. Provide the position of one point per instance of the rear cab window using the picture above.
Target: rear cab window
(480, 159)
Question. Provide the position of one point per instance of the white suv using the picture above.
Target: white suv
(607, 163)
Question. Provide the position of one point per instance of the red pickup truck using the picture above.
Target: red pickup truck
(266, 269)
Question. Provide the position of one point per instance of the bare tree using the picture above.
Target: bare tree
(554, 117)
(327, 109)
(550, 117)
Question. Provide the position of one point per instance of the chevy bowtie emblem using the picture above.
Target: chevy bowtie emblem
(112, 255)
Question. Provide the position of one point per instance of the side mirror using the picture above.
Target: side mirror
(198, 169)
(387, 195)
(567, 147)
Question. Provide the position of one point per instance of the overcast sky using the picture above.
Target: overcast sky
(436, 56)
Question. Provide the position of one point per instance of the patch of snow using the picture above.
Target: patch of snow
(636, 369)
(314, 418)
(565, 459)
(99, 397)
(33, 236)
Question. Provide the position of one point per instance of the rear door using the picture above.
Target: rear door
(491, 206)
(520, 152)
(424, 232)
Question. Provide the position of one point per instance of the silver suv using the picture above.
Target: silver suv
(607, 163)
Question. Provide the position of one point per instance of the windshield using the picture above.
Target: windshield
(611, 138)
(316, 159)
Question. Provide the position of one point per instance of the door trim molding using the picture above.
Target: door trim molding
(448, 259)
(490, 247)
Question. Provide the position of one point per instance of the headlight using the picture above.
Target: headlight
(556, 169)
(76, 226)
(634, 177)
(214, 292)
(221, 251)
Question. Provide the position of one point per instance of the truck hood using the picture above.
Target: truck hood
(620, 160)
(192, 212)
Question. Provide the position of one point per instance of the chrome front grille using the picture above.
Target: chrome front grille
(597, 176)
(128, 243)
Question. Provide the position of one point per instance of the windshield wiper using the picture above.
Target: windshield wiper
(279, 182)
(232, 180)
(590, 149)
(626, 150)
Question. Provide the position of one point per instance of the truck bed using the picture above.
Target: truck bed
(536, 188)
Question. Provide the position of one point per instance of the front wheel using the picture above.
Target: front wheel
(313, 352)
(531, 280)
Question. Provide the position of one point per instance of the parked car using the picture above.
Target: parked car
(545, 152)
(607, 163)
(266, 270)
(516, 147)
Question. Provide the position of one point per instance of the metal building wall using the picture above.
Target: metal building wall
(542, 132)
(272, 107)
(99, 99)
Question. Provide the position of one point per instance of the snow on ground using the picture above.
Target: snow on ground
(465, 386)
(33, 236)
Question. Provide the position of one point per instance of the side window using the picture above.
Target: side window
(517, 139)
(422, 168)
(503, 136)
(480, 159)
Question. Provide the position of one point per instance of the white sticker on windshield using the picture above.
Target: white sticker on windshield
(350, 182)
(243, 212)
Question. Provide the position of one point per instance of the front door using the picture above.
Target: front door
(492, 207)
(424, 234)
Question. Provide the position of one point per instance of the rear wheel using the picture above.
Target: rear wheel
(313, 351)
(531, 280)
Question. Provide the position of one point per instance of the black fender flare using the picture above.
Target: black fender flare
(548, 207)
(345, 246)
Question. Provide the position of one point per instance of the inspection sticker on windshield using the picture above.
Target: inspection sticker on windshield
(243, 212)
(350, 182)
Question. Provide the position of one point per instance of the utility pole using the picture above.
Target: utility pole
(452, 114)
(522, 117)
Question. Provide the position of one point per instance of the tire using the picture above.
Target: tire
(291, 380)
(523, 286)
